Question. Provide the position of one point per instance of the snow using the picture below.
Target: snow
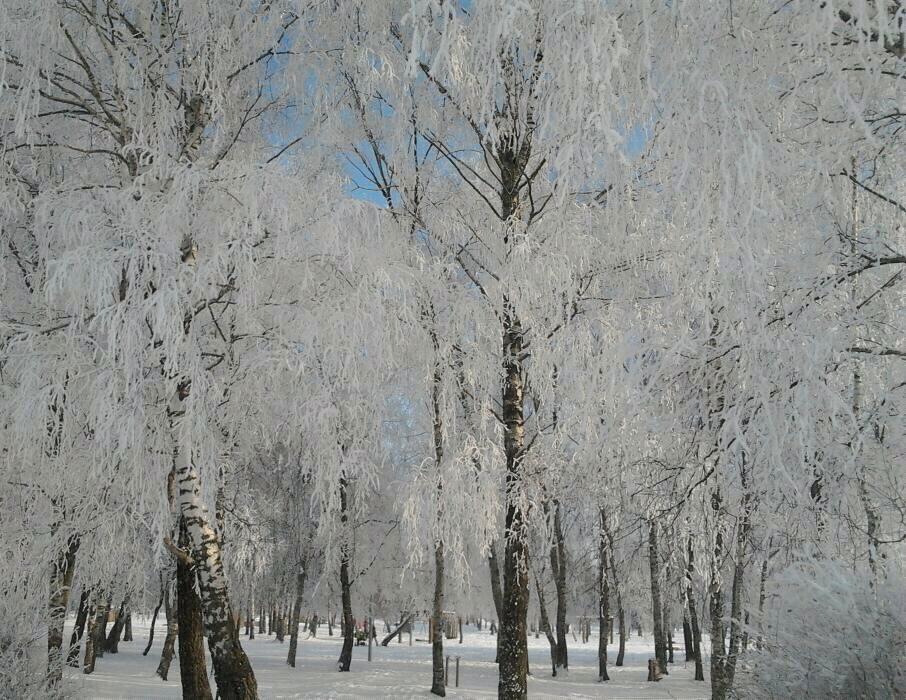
(397, 671)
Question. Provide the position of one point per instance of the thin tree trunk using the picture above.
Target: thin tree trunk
(72, 658)
(294, 620)
(621, 612)
(166, 654)
(398, 631)
(438, 685)
(60, 585)
(193, 671)
(657, 610)
(345, 585)
(496, 592)
(719, 684)
(558, 569)
(437, 624)
(695, 632)
(545, 624)
(127, 628)
(603, 601)
(153, 621)
(759, 641)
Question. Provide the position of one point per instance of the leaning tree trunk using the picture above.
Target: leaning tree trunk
(232, 670)
(558, 569)
(545, 625)
(657, 610)
(60, 584)
(112, 643)
(603, 602)
(294, 620)
(166, 654)
(193, 671)
(153, 622)
(345, 585)
(72, 658)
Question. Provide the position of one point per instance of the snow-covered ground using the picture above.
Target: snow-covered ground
(396, 671)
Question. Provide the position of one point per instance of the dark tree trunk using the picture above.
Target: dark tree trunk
(279, 626)
(558, 569)
(603, 601)
(545, 625)
(127, 628)
(438, 684)
(153, 622)
(91, 636)
(716, 609)
(437, 624)
(345, 660)
(193, 671)
(657, 610)
(232, 670)
(60, 584)
(78, 631)
(166, 654)
(398, 631)
(294, 620)
(496, 590)
(687, 638)
(513, 642)
(112, 643)
(100, 641)
(621, 612)
(695, 632)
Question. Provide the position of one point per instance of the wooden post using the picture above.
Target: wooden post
(457, 671)
(370, 622)
(447, 672)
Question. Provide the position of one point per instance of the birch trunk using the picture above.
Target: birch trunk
(193, 671)
(60, 584)
(513, 657)
(232, 670)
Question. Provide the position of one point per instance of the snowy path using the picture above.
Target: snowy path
(397, 671)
